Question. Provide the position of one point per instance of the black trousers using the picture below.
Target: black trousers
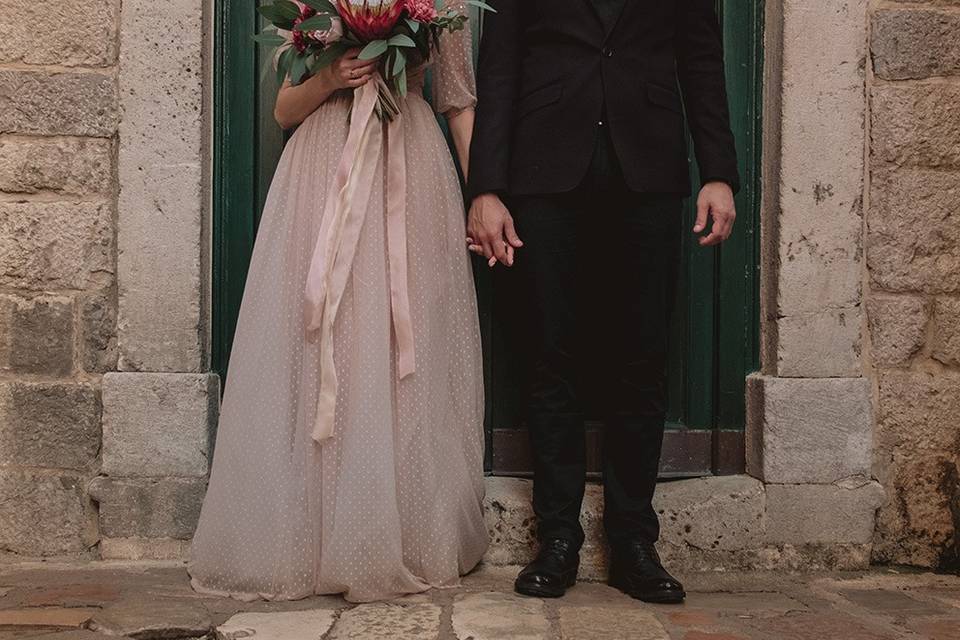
(598, 269)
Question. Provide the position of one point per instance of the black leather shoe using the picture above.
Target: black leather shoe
(635, 569)
(552, 572)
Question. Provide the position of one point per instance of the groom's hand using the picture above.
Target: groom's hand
(715, 201)
(490, 230)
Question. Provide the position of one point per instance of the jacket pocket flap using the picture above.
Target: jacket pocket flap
(663, 97)
(539, 98)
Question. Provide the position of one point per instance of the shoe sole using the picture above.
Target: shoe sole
(653, 597)
(544, 592)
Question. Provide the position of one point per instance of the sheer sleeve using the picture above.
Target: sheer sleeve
(454, 85)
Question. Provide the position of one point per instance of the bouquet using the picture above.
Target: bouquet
(392, 30)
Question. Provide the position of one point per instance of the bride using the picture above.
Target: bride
(349, 454)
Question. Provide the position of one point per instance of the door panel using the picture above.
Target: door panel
(714, 340)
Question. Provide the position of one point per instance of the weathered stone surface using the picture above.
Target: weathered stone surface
(60, 518)
(492, 616)
(820, 171)
(916, 124)
(915, 43)
(946, 331)
(148, 507)
(808, 430)
(65, 165)
(36, 334)
(85, 32)
(160, 203)
(723, 513)
(279, 625)
(54, 425)
(604, 623)
(820, 345)
(897, 327)
(809, 513)
(71, 104)
(45, 617)
(144, 549)
(153, 617)
(98, 327)
(913, 234)
(157, 424)
(918, 451)
(56, 245)
(388, 622)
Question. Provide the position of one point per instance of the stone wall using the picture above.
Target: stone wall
(59, 112)
(913, 258)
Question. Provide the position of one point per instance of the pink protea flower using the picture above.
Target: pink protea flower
(299, 37)
(370, 19)
(421, 10)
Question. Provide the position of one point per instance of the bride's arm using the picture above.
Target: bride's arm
(295, 103)
(461, 129)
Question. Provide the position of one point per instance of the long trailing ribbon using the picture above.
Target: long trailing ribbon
(336, 245)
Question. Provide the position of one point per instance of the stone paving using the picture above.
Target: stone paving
(153, 601)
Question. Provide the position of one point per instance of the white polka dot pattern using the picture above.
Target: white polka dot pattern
(392, 503)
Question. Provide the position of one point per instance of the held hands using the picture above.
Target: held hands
(490, 231)
(715, 200)
(349, 72)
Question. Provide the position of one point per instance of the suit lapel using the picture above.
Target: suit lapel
(607, 29)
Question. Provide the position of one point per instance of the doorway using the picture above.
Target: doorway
(715, 341)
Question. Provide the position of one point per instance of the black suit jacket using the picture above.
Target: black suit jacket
(549, 69)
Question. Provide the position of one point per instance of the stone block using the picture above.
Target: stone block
(597, 622)
(918, 414)
(144, 549)
(85, 32)
(70, 104)
(51, 425)
(897, 327)
(98, 331)
(804, 430)
(45, 514)
(148, 507)
(822, 344)
(723, 513)
(278, 625)
(915, 43)
(492, 616)
(157, 425)
(36, 334)
(161, 200)
(820, 172)
(76, 166)
(913, 234)
(56, 245)
(384, 621)
(826, 514)
(916, 124)
(946, 331)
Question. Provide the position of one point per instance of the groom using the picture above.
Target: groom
(577, 172)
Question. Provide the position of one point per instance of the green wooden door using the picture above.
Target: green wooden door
(715, 341)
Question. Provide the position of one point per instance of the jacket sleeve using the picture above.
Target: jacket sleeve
(498, 76)
(701, 74)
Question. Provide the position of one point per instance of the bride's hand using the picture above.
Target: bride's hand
(349, 72)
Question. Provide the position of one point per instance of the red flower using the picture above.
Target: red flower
(370, 19)
(299, 37)
(421, 10)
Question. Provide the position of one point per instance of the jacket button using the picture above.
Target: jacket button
(607, 52)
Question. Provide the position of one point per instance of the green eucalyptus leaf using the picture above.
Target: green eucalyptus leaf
(329, 55)
(316, 23)
(401, 40)
(269, 39)
(481, 5)
(322, 6)
(276, 16)
(399, 63)
(283, 64)
(413, 24)
(402, 84)
(287, 9)
(374, 49)
(298, 69)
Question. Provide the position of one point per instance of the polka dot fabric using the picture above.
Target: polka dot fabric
(392, 504)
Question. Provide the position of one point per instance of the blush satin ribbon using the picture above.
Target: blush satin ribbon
(343, 217)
